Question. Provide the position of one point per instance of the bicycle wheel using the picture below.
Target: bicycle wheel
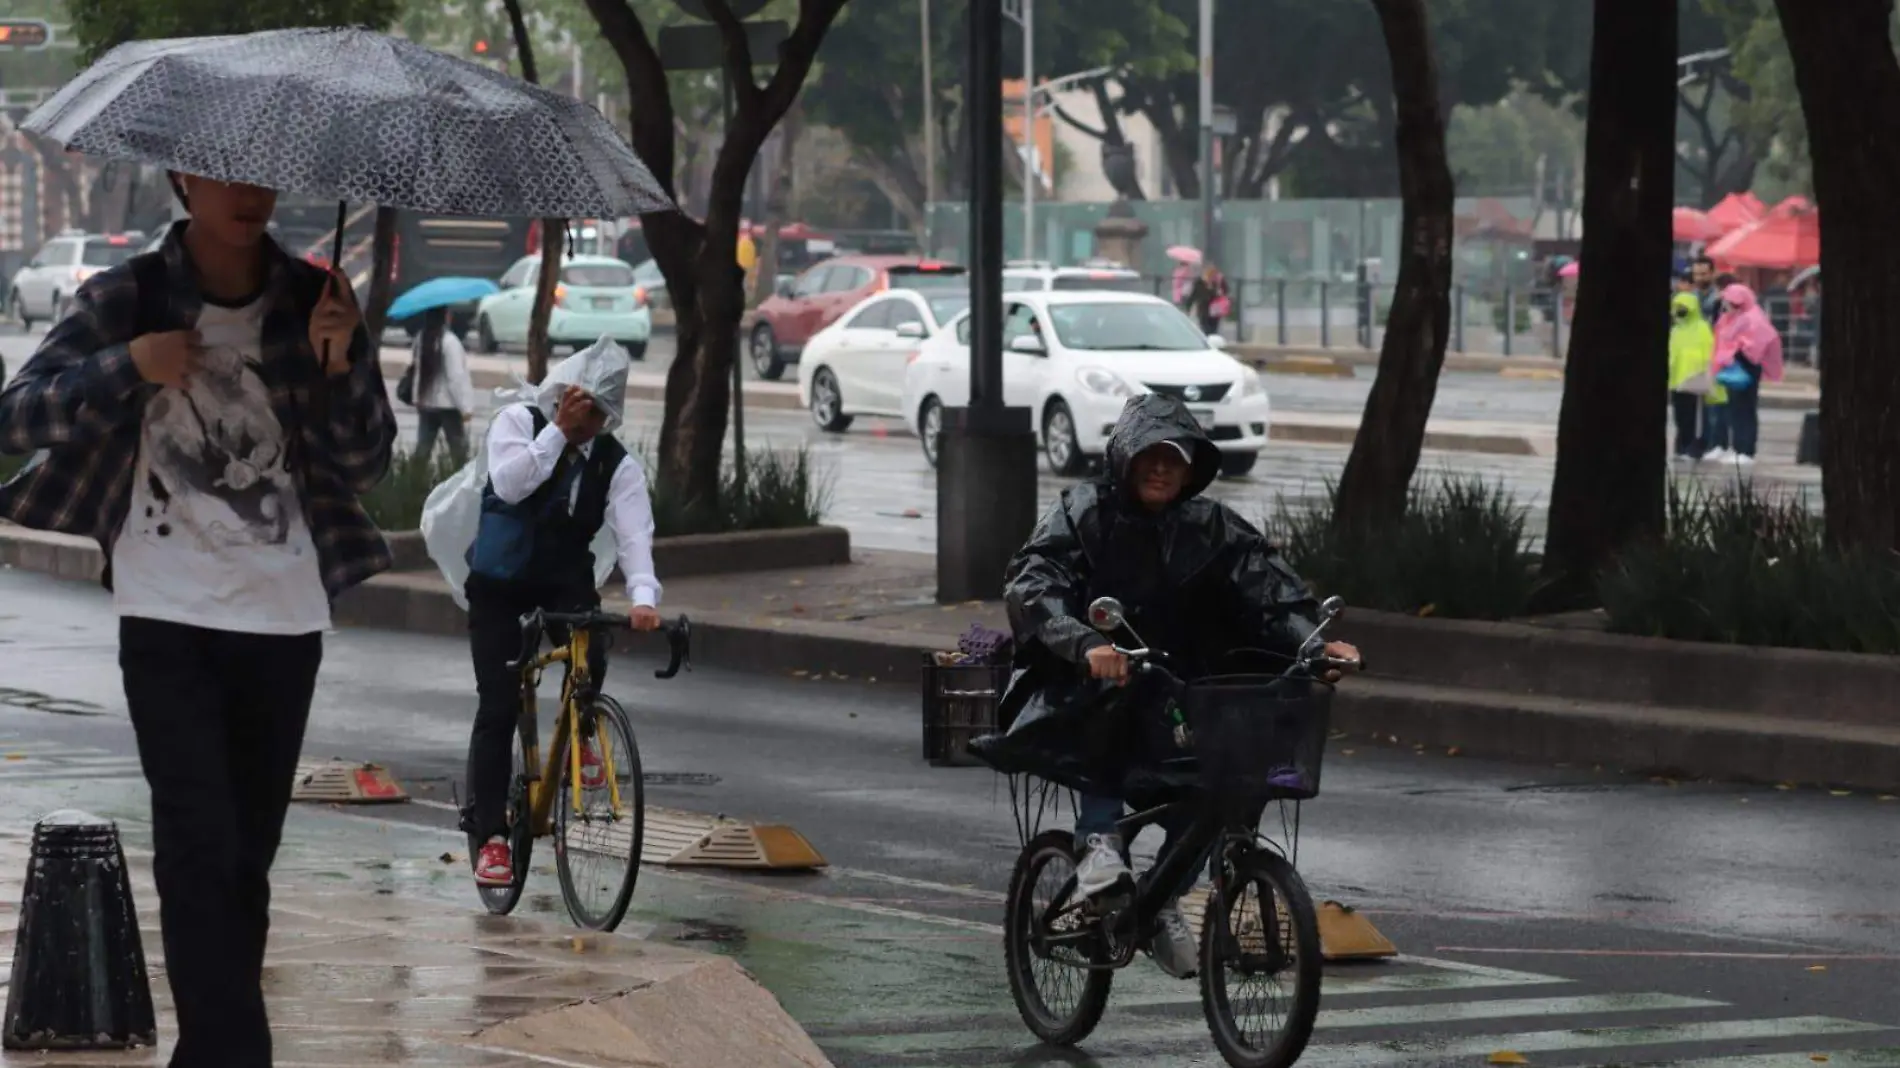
(1059, 1000)
(597, 849)
(1260, 937)
(501, 900)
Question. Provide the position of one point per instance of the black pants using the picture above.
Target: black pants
(494, 637)
(1744, 413)
(449, 424)
(1688, 409)
(220, 722)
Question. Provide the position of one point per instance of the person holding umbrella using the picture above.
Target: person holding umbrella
(437, 383)
(212, 412)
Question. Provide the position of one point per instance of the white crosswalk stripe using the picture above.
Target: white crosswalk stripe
(1166, 1027)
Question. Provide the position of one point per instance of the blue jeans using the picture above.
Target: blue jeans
(1095, 814)
(1715, 427)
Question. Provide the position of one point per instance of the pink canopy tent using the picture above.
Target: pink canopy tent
(1736, 211)
(1688, 224)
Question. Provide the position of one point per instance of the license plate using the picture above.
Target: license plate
(1203, 416)
(603, 303)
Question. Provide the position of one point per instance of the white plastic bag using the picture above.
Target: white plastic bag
(453, 512)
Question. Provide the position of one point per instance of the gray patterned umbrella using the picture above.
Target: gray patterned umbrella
(352, 115)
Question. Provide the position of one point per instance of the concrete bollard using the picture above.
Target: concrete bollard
(79, 979)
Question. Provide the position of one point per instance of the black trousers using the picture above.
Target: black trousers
(494, 637)
(220, 720)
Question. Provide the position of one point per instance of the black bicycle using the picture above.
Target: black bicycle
(598, 825)
(1256, 740)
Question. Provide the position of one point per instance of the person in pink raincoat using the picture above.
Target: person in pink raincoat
(1747, 353)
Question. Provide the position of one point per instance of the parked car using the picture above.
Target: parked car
(856, 365)
(596, 297)
(1074, 358)
(1021, 276)
(780, 328)
(43, 290)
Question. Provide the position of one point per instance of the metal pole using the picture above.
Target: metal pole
(1210, 239)
(930, 139)
(1030, 160)
(738, 365)
(985, 123)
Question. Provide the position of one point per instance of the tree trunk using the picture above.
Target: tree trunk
(553, 231)
(702, 277)
(382, 275)
(1608, 489)
(1850, 95)
(1372, 489)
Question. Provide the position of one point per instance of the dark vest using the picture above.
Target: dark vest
(537, 540)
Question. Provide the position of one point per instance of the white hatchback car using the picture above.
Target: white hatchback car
(1074, 359)
(856, 365)
(42, 291)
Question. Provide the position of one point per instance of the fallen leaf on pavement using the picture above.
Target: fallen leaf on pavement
(1453, 751)
(1427, 610)
(449, 858)
(1506, 1056)
(1784, 786)
(1817, 967)
(16, 756)
(1885, 797)
(796, 582)
(1842, 793)
(1818, 1058)
(912, 513)
(800, 673)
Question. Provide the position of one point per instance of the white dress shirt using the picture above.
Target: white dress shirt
(451, 389)
(520, 461)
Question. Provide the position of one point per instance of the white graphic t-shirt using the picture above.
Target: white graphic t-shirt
(216, 535)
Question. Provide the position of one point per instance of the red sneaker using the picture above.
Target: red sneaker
(494, 866)
(593, 769)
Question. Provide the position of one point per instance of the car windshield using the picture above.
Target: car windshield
(648, 273)
(916, 278)
(600, 275)
(1112, 282)
(100, 252)
(949, 306)
(1157, 327)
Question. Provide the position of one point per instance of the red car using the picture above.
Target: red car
(823, 292)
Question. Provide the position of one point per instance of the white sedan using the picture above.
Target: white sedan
(856, 365)
(1074, 359)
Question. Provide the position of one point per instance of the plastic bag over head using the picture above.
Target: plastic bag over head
(453, 512)
(599, 370)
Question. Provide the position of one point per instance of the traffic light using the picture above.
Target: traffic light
(24, 33)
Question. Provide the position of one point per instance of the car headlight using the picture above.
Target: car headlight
(1251, 384)
(1097, 380)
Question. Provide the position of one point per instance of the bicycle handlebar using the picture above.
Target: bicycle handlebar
(679, 635)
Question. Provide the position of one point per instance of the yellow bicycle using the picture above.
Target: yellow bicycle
(597, 827)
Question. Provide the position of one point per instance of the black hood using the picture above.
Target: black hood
(1149, 420)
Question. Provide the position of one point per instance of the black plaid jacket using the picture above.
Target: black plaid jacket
(79, 403)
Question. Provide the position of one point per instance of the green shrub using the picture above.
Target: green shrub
(396, 502)
(782, 490)
(1749, 567)
(1457, 552)
(1522, 314)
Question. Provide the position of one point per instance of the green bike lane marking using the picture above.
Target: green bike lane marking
(1150, 1030)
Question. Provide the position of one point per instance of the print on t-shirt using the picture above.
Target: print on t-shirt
(218, 472)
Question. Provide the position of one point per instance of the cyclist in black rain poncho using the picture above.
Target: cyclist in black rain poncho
(1196, 581)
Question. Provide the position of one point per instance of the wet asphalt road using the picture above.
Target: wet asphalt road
(1580, 918)
(883, 491)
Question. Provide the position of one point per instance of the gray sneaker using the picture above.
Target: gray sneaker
(1173, 946)
(1102, 868)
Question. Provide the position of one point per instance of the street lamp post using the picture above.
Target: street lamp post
(986, 475)
(930, 137)
(1210, 236)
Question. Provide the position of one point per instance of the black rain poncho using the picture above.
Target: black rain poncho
(1198, 581)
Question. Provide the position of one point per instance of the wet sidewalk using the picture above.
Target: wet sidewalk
(385, 960)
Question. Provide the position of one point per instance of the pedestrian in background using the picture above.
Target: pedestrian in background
(211, 413)
(1207, 299)
(1692, 387)
(444, 393)
(1747, 353)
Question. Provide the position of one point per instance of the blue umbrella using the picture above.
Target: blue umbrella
(439, 293)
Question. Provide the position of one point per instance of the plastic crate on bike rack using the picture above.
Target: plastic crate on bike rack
(959, 706)
(1259, 737)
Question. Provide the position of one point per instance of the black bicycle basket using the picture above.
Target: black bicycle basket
(1259, 737)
